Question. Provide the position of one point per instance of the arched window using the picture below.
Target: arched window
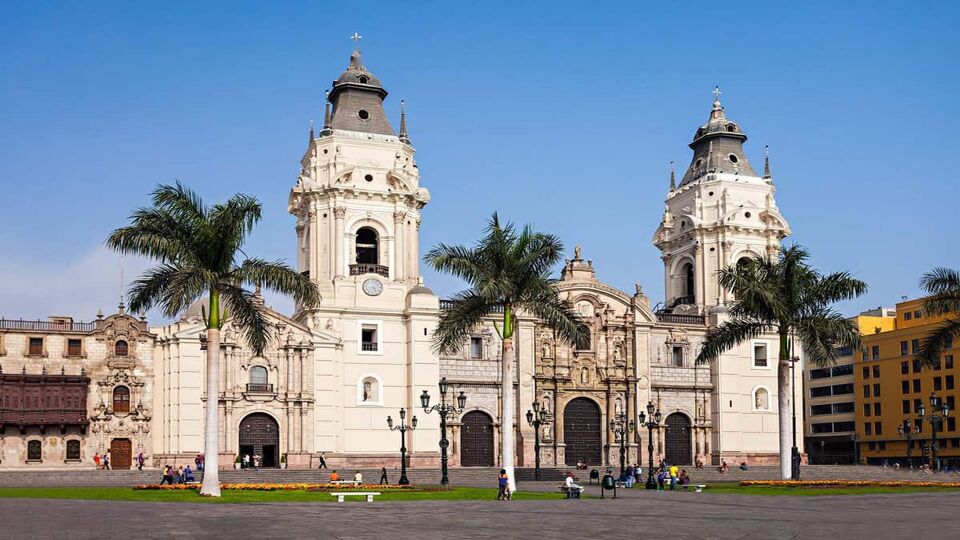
(34, 451)
(121, 400)
(73, 450)
(258, 375)
(120, 348)
(367, 246)
(688, 284)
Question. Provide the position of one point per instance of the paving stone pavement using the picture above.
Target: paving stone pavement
(641, 515)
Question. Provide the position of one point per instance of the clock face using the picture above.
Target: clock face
(372, 287)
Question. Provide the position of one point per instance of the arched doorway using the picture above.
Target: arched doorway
(581, 432)
(260, 436)
(476, 440)
(678, 448)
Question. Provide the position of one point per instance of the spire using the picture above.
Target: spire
(121, 306)
(673, 177)
(327, 117)
(766, 162)
(312, 136)
(403, 122)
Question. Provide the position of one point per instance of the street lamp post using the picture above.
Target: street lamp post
(939, 411)
(794, 451)
(443, 408)
(622, 428)
(823, 452)
(402, 428)
(654, 414)
(906, 430)
(536, 418)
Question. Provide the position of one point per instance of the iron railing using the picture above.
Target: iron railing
(447, 305)
(368, 346)
(47, 326)
(679, 318)
(360, 269)
(260, 388)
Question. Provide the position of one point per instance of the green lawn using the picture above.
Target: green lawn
(236, 496)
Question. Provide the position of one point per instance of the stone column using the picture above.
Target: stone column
(413, 253)
(400, 255)
(339, 247)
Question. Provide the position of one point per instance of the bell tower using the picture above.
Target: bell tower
(720, 212)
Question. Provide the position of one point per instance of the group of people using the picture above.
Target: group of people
(672, 474)
(180, 475)
(246, 461)
(358, 477)
(102, 461)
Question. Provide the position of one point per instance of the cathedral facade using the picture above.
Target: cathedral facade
(332, 374)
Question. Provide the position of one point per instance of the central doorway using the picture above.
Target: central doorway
(260, 436)
(678, 447)
(121, 454)
(476, 440)
(581, 432)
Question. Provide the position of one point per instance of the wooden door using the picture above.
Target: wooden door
(121, 454)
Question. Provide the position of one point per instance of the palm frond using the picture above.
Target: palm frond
(559, 315)
(248, 315)
(822, 331)
(463, 317)
(278, 277)
(942, 338)
(170, 286)
(728, 335)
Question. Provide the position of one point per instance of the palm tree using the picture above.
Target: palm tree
(197, 249)
(943, 287)
(508, 271)
(786, 296)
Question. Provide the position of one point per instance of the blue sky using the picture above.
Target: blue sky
(564, 115)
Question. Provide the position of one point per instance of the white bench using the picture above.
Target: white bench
(368, 494)
(346, 482)
(699, 488)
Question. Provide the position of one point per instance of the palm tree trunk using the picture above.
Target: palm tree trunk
(784, 408)
(211, 453)
(506, 422)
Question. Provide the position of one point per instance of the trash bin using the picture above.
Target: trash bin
(594, 475)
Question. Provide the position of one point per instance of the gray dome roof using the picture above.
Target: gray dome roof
(357, 73)
(420, 289)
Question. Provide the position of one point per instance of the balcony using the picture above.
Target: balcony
(368, 346)
(360, 269)
(259, 388)
(679, 318)
(47, 326)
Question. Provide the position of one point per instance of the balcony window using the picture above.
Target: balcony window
(36, 346)
(369, 340)
(74, 347)
(476, 347)
(677, 356)
(121, 400)
(367, 243)
(760, 355)
(120, 348)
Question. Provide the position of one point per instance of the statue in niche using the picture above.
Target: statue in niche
(546, 351)
(618, 406)
(369, 390)
(762, 399)
(584, 376)
(617, 353)
(546, 404)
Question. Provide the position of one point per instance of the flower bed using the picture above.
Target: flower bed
(274, 487)
(847, 483)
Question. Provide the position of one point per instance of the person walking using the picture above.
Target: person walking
(383, 476)
(140, 460)
(502, 485)
(166, 476)
(323, 461)
(106, 460)
(661, 478)
(96, 460)
(674, 472)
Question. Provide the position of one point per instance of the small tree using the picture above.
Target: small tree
(943, 287)
(507, 271)
(788, 297)
(198, 249)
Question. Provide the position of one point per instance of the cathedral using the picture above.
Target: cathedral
(333, 374)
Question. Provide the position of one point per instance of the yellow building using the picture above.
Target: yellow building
(830, 402)
(891, 389)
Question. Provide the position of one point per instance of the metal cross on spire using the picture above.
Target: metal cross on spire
(716, 93)
(356, 37)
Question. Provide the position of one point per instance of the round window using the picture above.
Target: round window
(733, 158)
(710, 194)
(363, 80)
(363, 114)
(747, 215)
(368, 178)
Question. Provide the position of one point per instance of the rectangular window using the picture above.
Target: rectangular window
(949, 382)
(917, 314)
(36, 348)
(937, 384)
(843, 426)
(73, 347)
(840, 408)
(948, 344)
(760, 355)
(951, 423)
(905, 387)
(883, 445)
(907, 316)
(368, 338)
(678, 356)
(840, 371)
(818, 410)
(866, 390)
(73, 450)
(839, 389)
(822, 428)
(877, 428)
(916, 385)
(916, 366)
(872, 445)
(950, 403)
(867, 428)
(875, 352)
(876, 389)
(906, 406)
(904, 367)
(936, 365)
(866, 409)
(876, 372)
(917, 403)
(866, 372)
(918, 426)
(820, 391)
(904, 348)
(915, 346)
(876, 409)
(820, 373)
(34, 451)
(476, 347)
(948, 361)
